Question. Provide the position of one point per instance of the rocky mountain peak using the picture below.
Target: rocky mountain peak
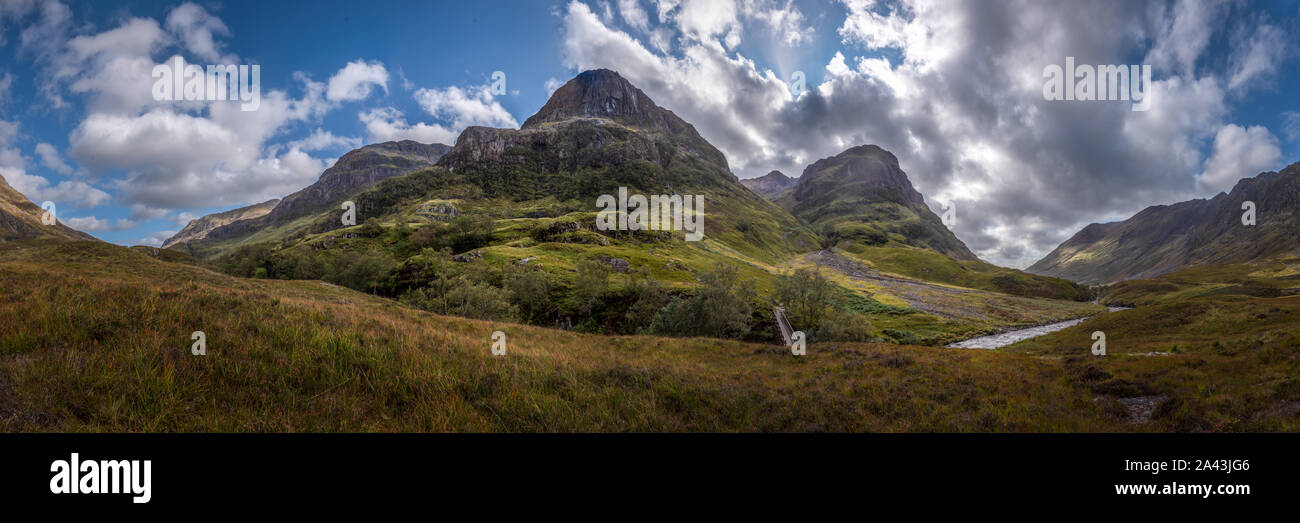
(602, 93)
(865, 171)
(770, 185)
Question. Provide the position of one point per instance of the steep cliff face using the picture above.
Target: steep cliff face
(1165, 238)
(862, 195)
(771, 185)
(20, 218)
(198, 229)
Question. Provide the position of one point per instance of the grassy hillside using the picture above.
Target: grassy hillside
(1211, 348)
(95, 338)
(929, 265)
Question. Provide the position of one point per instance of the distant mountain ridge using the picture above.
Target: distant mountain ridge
(358, 169)
(770, 185)
(198, 228)
(1164, 238)
(20, 218)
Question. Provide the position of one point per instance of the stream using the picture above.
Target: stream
(994, 341)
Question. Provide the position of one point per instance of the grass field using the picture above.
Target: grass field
(95, 337)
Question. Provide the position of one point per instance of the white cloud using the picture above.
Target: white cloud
(1184, 34)
(79, 194)
(93, 224)
(198, 30)
(1239, 152)
(182, 161)
(387, 124)
(356, 81)
(50, 158)
(710, 19)
(173, 156)
(1257, 56)
(454, 108)
(321, 139)
(634, 15)
(551, 85)
(13, 165)
(13, 10)
(465, 107)
(155, 239)
(1291, 125)
(6, 84)
(960, 104)
(785, 21)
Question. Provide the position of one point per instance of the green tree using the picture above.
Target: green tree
(530, 291)
(720, 308)
(371, 228)
(590, 287)
(808, 297)
(647, 296)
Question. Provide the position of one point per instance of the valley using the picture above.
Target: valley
(386, 324)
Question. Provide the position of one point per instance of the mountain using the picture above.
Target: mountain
(1165, 238)
(353, 172)
(599, 133)
(864, 205)
(20, 218)
(598, 121)
(770, 185)
(862, 195)
(199, 228)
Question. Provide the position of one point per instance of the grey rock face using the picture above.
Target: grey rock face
(770, 185)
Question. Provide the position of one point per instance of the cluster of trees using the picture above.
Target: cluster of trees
(721, 306)
(818, 307)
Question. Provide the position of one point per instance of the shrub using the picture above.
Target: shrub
(368, 272)
(844, 326)
(371, 228)
(530, 291)
(720, 308)
(590, 287)
(646, 296)
(467, 233)
(459, 296)
(426, 236)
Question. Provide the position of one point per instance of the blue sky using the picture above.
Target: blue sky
(951, 89)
